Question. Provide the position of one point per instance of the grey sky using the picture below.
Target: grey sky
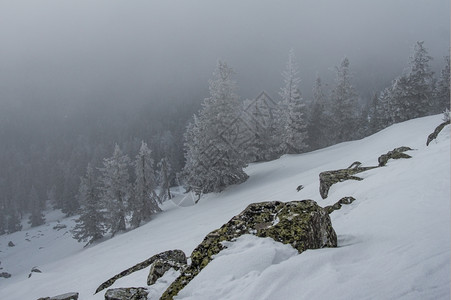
(86, 49)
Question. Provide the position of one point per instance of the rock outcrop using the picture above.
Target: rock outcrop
(11, 244)
(68, 296)
(396, 153)
(5, 275)
(126, 294)
(328, 178)
(302, 224)
(437, 130)
(338, 204)
(161, 266)
(171, 255)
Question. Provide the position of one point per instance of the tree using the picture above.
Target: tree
(213, 158)
(165, 179)
(115, 189)
(90, 225)
(144, 202)
(441, 92)
(36, 217)
(345, 106)
(411, 93)
(317, 121)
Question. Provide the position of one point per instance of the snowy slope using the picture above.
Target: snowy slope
(394, 240)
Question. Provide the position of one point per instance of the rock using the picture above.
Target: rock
(302, 224)
(5, 275)
(328, 178)
(11, 244)
(59, 226)
(437, 130)
(161, 266)
(338, 204)
(174, 255)
(396, 153)
(126, 294)
(68, 296)
(36, 270)
(300, 187)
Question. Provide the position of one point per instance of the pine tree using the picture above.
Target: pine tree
(144, 202)
(13, 220)
(344, 104)
(36, 217)
(293, 121)
(3, 220)
(165, 179)
(115, 189)
(90, 225)
(441, 92)
(213, 158)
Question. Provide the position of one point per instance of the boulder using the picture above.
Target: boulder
(59, 226)
(302, 224)
(338, 204)
(5, 275)
(68, 296)
(171, 255)
(11, 244)
(396, 153)
(161, 266)
(133, 293)
(328, 178)
(437, 130)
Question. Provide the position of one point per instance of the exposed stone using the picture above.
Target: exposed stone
(59, 226)
(300, 187)
(396, 153)
(328, 178)
(5, 275)
(68, 296)
(302, 224)
(11, 244)
(174, 255)
(338, 204)
(133, 293)
(36, 270)
(161, 266)
(437, 130)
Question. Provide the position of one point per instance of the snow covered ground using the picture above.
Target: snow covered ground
(394, 240)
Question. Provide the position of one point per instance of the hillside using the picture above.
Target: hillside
(394, 240)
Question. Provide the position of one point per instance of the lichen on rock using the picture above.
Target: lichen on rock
(437, 130)
(133, 293)
(396, 153)
(338, 204)
(67, 296)
(302, 224)
(161, 266)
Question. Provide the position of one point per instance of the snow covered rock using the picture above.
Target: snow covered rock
(161, 266)
(396, 153)
(126, 294)
(302, 224)
(437, 130)
(328, 178)
(5, 275)
(11, 244)
(338, 204)
(170, 255)
(68, 296)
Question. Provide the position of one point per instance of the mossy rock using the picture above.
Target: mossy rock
(133, 293)
(437, 130)
(328, 178)
(302, 224)
(396, 153)
(338, 204)
(171, 255)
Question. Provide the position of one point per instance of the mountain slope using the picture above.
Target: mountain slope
(394, 240)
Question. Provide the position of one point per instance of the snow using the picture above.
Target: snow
(394, 240)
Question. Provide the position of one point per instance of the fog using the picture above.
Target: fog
(124, 51)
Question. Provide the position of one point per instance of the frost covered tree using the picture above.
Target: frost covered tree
(115, 189)
(441, 92)
(90, 225)
(411, 93)
(317, 121)
(165, 179)
(213, 158)
(144, 202)
(293, 121)
(344, 104)
(37, 217)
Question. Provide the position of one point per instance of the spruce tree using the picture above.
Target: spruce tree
(90, 225)
(144, 202)
(293, 121)
(317, 121)
(213, 158)
(441, 92)
(115, 189)
(37, 217)
(345, 106)
(165, 179)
